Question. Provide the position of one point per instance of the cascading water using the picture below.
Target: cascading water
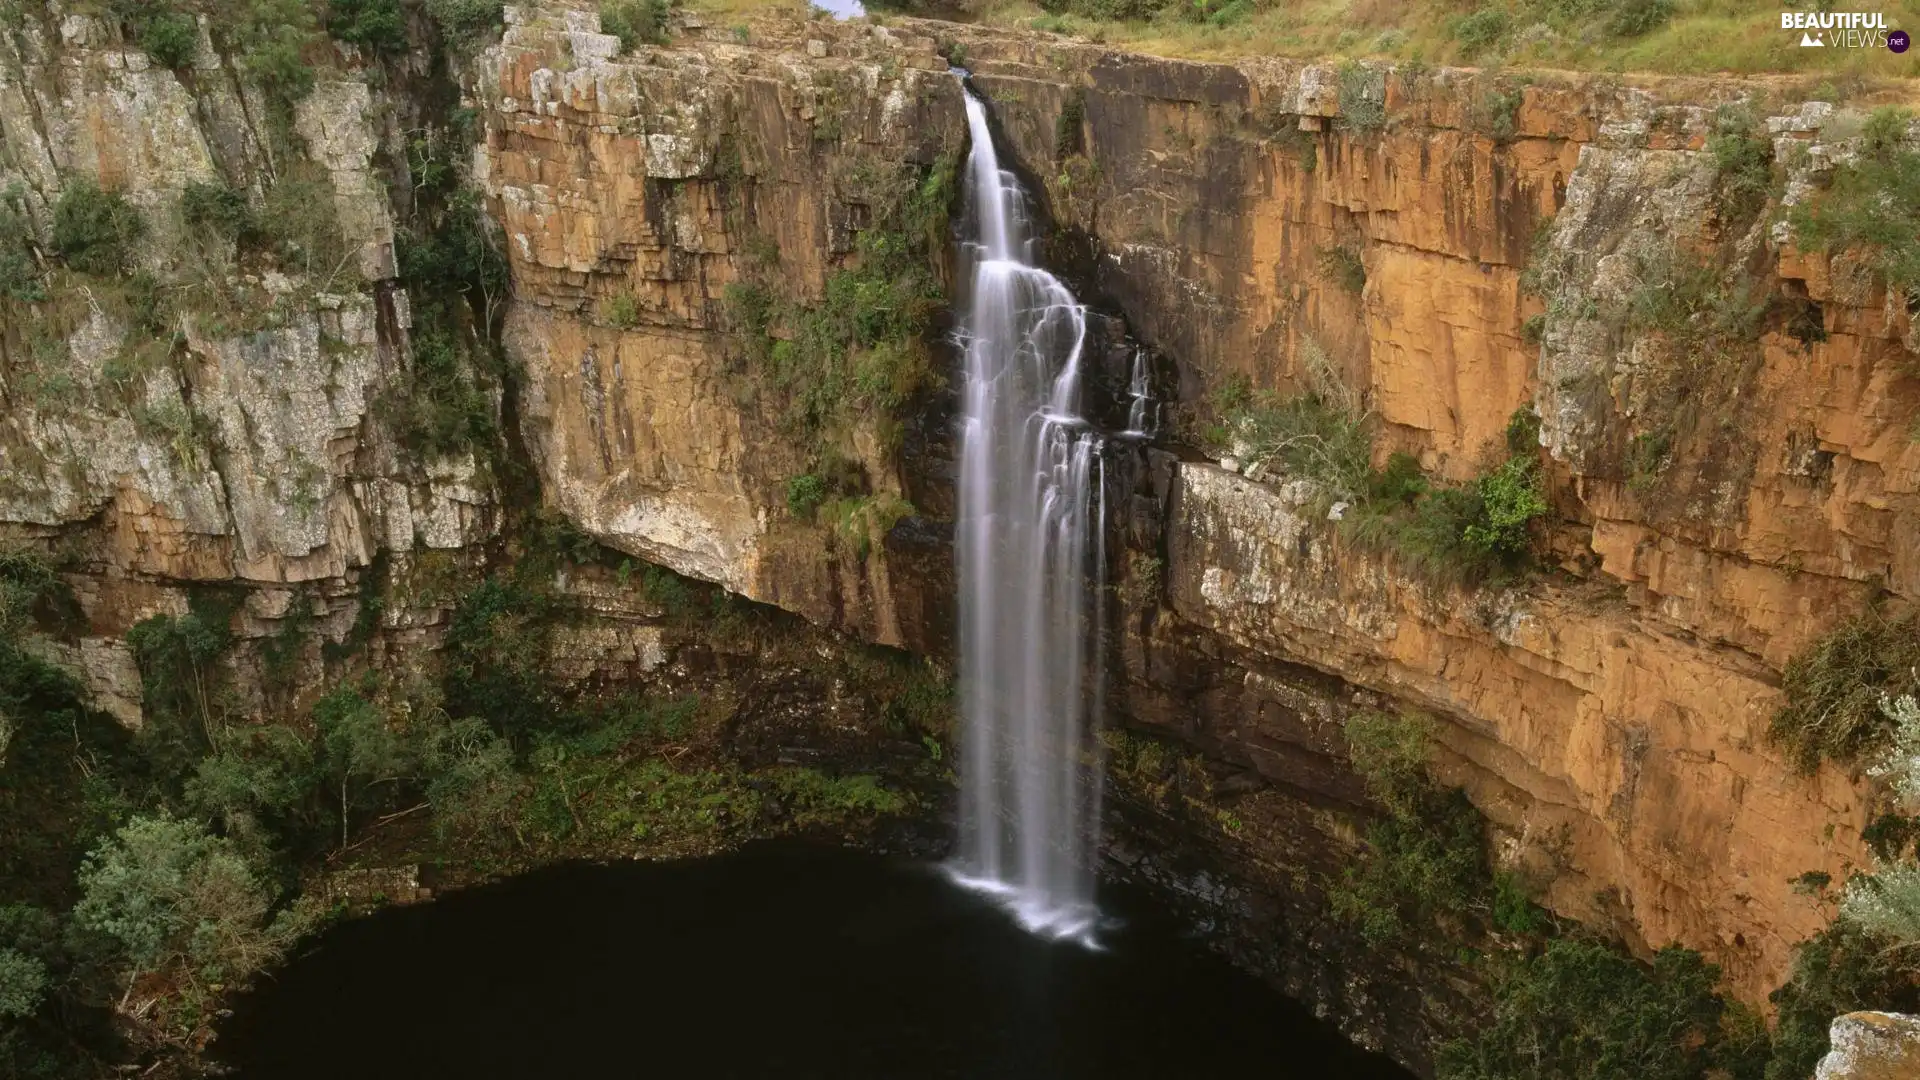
(1030, 533)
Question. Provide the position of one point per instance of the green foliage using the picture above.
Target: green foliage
(1497, 111)
(359, 748)
(1886, 903)
(1523, 432)
(217, 208)
(1389, 751)
(621, 311)
(1833, 691)
(804, 495)
(860, 353)
(496, 653)
(466, 22)
(473, 784)
(1342, 266)
(19, 272)
(1584, 1011)
(94, 230)
(1635, 18)
(1069, 137)
(1426, 857)
(174, 898)
(439, 411)
(452, 264)
(635, 22)
(1899, 763)
(1873, 204)
(299, 224)
(1744, 156)
(1305, 436)
(1363, 97)
(1841, 970)
(179, 658)
(257, 789)
(1510, 501)
(1513, 908)
(23, 982)
(1481, 29)
(269, 38)
(171, 38)
(378, 26)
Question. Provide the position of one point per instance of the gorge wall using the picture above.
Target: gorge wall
(1608, 716)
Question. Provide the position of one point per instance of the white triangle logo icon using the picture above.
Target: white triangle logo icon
(1807, 40)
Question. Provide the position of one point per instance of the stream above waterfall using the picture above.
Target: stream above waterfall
(781, 960)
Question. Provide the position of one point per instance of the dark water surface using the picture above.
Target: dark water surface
(780, 961)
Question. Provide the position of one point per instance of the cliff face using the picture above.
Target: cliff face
(1242, 219)
(1608, 718)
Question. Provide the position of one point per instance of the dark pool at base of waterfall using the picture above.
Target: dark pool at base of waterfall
(781, 960)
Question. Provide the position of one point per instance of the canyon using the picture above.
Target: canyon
(1448, 243)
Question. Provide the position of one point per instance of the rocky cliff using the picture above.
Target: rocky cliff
(680, 221)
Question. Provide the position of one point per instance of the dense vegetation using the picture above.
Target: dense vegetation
(1464, 534)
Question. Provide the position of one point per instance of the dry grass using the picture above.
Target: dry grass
(1702, 37)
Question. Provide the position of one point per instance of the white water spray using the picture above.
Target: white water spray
(1030, 534)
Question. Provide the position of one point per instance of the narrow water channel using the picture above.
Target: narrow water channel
(780, 961)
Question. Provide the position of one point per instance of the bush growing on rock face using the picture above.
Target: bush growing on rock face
(1580, 1010)
(1834, 691)
(636, 22)
(466, 21)
(1873, 203)
(173, 898)
(378, 26)
(94, 229)
(19, 273)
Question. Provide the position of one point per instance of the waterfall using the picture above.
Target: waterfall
(1028, 540)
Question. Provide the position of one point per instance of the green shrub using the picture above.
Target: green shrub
(1744, 157)
(270, 37)
(1342, 266)
(466, 22)
(1873, 203)
(438, 411)
(19, 272)
(175, 899)
(216, 208)
(1481, 30)
(256, 788)
(1833, 690)
(1427, 856)
(378, 26)
(1886, 903)
(472, 784)
(94, 230)
(1633, 18)
(635, 22)
(1841, 970)
(1304, 436)
(621, 311)
(804, 495)
(1069, 137)
(300, 224)
(171, 38)
(1510, 501)
(359, 749)
(179, 659)
(1899, 764)
(23, 982)
(1363, 97)
(1584, 1011)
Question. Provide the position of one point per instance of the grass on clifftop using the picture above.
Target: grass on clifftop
(1660, 36)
